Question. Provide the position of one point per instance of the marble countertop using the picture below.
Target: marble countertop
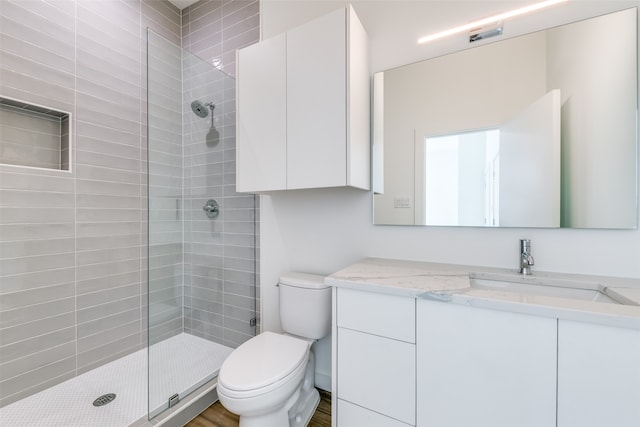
(452, 283)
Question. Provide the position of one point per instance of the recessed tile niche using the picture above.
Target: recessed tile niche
(34, 136)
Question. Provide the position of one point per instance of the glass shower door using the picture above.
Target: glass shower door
(202, 244)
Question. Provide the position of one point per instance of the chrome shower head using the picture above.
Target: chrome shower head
(200, 109)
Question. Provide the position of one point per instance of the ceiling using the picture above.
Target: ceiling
(393, 26)
(181, 4)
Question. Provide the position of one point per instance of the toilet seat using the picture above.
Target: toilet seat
(263, 363)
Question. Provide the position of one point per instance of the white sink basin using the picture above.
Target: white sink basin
(595, 295)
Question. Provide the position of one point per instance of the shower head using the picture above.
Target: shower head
(200, 109)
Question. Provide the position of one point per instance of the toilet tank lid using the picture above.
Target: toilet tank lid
(303, 280)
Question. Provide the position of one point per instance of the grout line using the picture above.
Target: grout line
(44, 334)
(39, 366)
(72, 161)
(184, 190)
(37, 320)
(144, 122)
(54, 380)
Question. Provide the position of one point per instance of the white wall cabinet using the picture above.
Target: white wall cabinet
(303, 108)
(598, 375)
(262, 96)
(484, 368)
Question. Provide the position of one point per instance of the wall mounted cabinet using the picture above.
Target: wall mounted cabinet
(261, 153)
(303, 108)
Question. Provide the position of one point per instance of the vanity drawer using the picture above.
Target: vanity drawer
(379, 314)
(350, 415)
(377, 373)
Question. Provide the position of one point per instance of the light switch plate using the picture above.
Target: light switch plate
(402, 202)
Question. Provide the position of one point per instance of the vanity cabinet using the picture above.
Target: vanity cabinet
(598, 375)
(374, 359)
(484, 368)
(413, 344)
(303, 108)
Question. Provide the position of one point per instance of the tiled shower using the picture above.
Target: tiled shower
(73, 237)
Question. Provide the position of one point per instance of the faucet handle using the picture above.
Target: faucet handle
(525, 245)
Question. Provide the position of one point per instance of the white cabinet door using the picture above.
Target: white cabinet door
(350, 415)
(387, 316)
(317, 102)
(261, 120)
(484, 368)
(303, 108)
(598, 376)
(378, 374)
(358, 105)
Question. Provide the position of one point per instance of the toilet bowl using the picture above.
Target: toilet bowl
(269, 380)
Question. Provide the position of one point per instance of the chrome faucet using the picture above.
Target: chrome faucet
(526, 260)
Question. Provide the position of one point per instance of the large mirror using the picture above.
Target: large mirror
(533, 131)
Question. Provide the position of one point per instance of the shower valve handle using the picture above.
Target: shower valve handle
(211, 208)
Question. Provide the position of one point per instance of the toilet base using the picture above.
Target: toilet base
(274, 419)
(304, 412)
(301, 412)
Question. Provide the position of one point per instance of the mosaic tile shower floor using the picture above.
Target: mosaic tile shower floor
(177, 365)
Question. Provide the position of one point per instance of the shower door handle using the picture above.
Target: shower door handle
(211, 208)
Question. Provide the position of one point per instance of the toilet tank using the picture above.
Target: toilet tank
(305, 305)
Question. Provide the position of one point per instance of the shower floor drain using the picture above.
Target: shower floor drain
(104, 399)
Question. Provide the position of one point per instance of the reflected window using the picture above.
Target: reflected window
(462, 175)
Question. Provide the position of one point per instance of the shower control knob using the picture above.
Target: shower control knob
(211, 208)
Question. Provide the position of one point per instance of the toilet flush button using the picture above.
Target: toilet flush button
(298, 419)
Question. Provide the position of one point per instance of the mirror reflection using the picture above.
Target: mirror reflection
(534, 131)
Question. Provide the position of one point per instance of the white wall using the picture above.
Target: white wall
(322, 231)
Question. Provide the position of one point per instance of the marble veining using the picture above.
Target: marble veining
(452, 283)
(406, 278)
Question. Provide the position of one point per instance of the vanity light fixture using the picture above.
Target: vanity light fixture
(490, 20)
(485, 32)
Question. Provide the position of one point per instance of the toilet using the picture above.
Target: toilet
(269, 380)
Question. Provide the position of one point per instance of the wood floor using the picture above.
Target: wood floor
(217, 416)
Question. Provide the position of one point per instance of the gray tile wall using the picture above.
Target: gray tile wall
(220, 254)
(215, 29)
(72, 275)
